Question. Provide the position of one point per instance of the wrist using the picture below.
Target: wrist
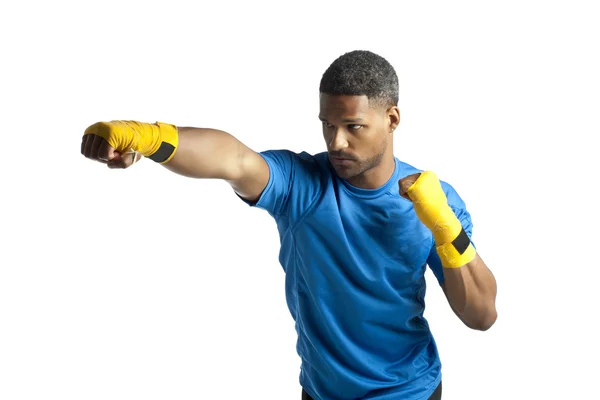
(446, 226)
(157, 141)
(431, 206)
(457, 252)
(452, 242)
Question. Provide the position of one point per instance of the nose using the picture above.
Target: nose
(338, 140)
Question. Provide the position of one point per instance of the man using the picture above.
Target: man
(357, 229)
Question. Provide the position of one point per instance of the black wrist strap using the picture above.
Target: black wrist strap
(462, 242)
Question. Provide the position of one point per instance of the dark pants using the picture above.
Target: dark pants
(437, 395)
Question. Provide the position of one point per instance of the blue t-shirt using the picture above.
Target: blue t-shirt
(355, 261)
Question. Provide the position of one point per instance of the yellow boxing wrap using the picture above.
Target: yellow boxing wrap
(157, 141)
(452, 242)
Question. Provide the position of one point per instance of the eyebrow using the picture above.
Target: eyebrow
(346, 120)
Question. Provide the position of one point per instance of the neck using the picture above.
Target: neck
(377, 176)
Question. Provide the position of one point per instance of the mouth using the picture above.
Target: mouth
(341, 161)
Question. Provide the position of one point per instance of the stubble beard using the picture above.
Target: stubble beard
(360, 167)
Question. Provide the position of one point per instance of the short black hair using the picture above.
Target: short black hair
(361, 72)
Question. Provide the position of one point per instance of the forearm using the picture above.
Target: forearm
(191, 152)
(207, 153)
(469, 285)
(471, 291)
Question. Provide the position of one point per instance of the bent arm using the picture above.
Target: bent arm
(215, 154)
(471, 292)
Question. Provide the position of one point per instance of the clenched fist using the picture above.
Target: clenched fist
(97, 148)
(407, 182)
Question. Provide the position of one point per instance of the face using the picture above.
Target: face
(358, 135)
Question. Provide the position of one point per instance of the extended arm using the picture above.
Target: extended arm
(192, 152)
(211, 153)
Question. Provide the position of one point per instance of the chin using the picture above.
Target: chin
(344, 173)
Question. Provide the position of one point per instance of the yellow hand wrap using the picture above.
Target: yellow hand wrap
(157, 141)
(452, 243)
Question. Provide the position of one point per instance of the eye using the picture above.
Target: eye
(327, 125)
(355, 127)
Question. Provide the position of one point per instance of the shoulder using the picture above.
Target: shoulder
(285, 155)
(405, 169)
(291, 166)
(454, 199)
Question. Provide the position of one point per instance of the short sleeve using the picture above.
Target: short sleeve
(460, 210)
(292, 186)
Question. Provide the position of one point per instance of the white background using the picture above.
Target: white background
(141, 284)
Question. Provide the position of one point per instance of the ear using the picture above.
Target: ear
(393, 115)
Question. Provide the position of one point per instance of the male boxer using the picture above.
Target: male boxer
(357, 226)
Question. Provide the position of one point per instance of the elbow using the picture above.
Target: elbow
(484, 321)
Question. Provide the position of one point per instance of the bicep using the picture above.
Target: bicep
(268, 179)
(252, 174)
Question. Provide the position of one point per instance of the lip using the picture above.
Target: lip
(340, 160)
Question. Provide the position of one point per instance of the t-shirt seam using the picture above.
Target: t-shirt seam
(294, 223)
(310, 208)
(435, 384)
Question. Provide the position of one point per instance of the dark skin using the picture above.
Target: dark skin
(470, 289)
(359, 138)
(363, 132)
(98, 149)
